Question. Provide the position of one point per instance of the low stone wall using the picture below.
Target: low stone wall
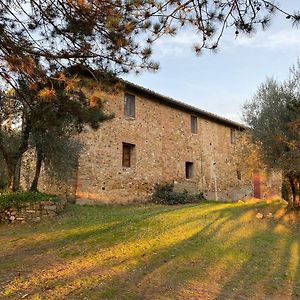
(31, 211)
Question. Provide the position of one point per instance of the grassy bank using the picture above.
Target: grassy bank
(203, 251)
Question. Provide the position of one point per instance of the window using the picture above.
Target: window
(127, 155)
(233, 136)
(189, 170)
(194, 126)
(129, 105)
(239, 175)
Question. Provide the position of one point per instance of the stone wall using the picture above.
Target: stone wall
(31, 211)
(47, 183)
(163, 143)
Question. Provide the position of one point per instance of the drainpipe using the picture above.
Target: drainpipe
(215, 179)
(201, 170)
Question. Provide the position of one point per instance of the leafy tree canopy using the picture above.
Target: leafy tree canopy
(115, 35)
(47, 116)
(274, 118)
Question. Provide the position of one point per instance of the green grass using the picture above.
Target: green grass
(203, 251)
(8, 199)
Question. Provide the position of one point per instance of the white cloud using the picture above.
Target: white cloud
(178, 46)
(271, 40)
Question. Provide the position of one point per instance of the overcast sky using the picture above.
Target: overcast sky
(222, 82)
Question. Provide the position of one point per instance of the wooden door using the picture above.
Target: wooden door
(256, 185)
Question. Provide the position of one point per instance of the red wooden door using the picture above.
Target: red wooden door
(256, 185)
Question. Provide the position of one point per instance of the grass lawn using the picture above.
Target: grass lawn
(204, 251)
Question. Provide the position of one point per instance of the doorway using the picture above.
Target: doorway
(256, 185)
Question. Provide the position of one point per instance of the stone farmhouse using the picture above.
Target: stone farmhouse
(155, 139)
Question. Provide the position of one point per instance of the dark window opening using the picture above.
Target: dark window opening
(194, 124)
(127, 155)
(233, 136)
(239, 175)
(189, 170)
(129, 105)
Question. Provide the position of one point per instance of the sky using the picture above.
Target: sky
(221, 82)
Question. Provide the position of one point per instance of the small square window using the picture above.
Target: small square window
(233, 136)
(194, 125)
(129, 105)
(189, 170)
(127, 155)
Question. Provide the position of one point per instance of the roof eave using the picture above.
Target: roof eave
(181, 105)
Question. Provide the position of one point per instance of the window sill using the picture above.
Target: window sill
(192, 180)
(128, 169)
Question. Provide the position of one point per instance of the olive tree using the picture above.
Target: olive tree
(50, 116)
(273, 116)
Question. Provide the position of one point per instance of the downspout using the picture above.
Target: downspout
(215, 180)
(201, 170)
(215, 175)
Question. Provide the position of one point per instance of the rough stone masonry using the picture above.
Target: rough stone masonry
(155, 139)
(31, 211)
(163, 141)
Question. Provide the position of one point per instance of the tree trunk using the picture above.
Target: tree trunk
(39, 160)
(294, 197)
(17, 172)
(297, 191)
(13, 160)
(10, 178)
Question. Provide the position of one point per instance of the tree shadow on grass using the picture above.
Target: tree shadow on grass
(106, 229)
(103, 232)
(170, 260)
(196, 248)
(265, 275)
(262, 262)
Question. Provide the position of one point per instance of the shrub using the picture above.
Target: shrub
(165, 194)
(8, 199)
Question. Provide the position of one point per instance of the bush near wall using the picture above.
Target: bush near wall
(165, 194)
(28, 206)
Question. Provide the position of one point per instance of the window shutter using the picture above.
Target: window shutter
(194, 127)
(233, 136)
(126, 155)
(129, 105)
(189, 170)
